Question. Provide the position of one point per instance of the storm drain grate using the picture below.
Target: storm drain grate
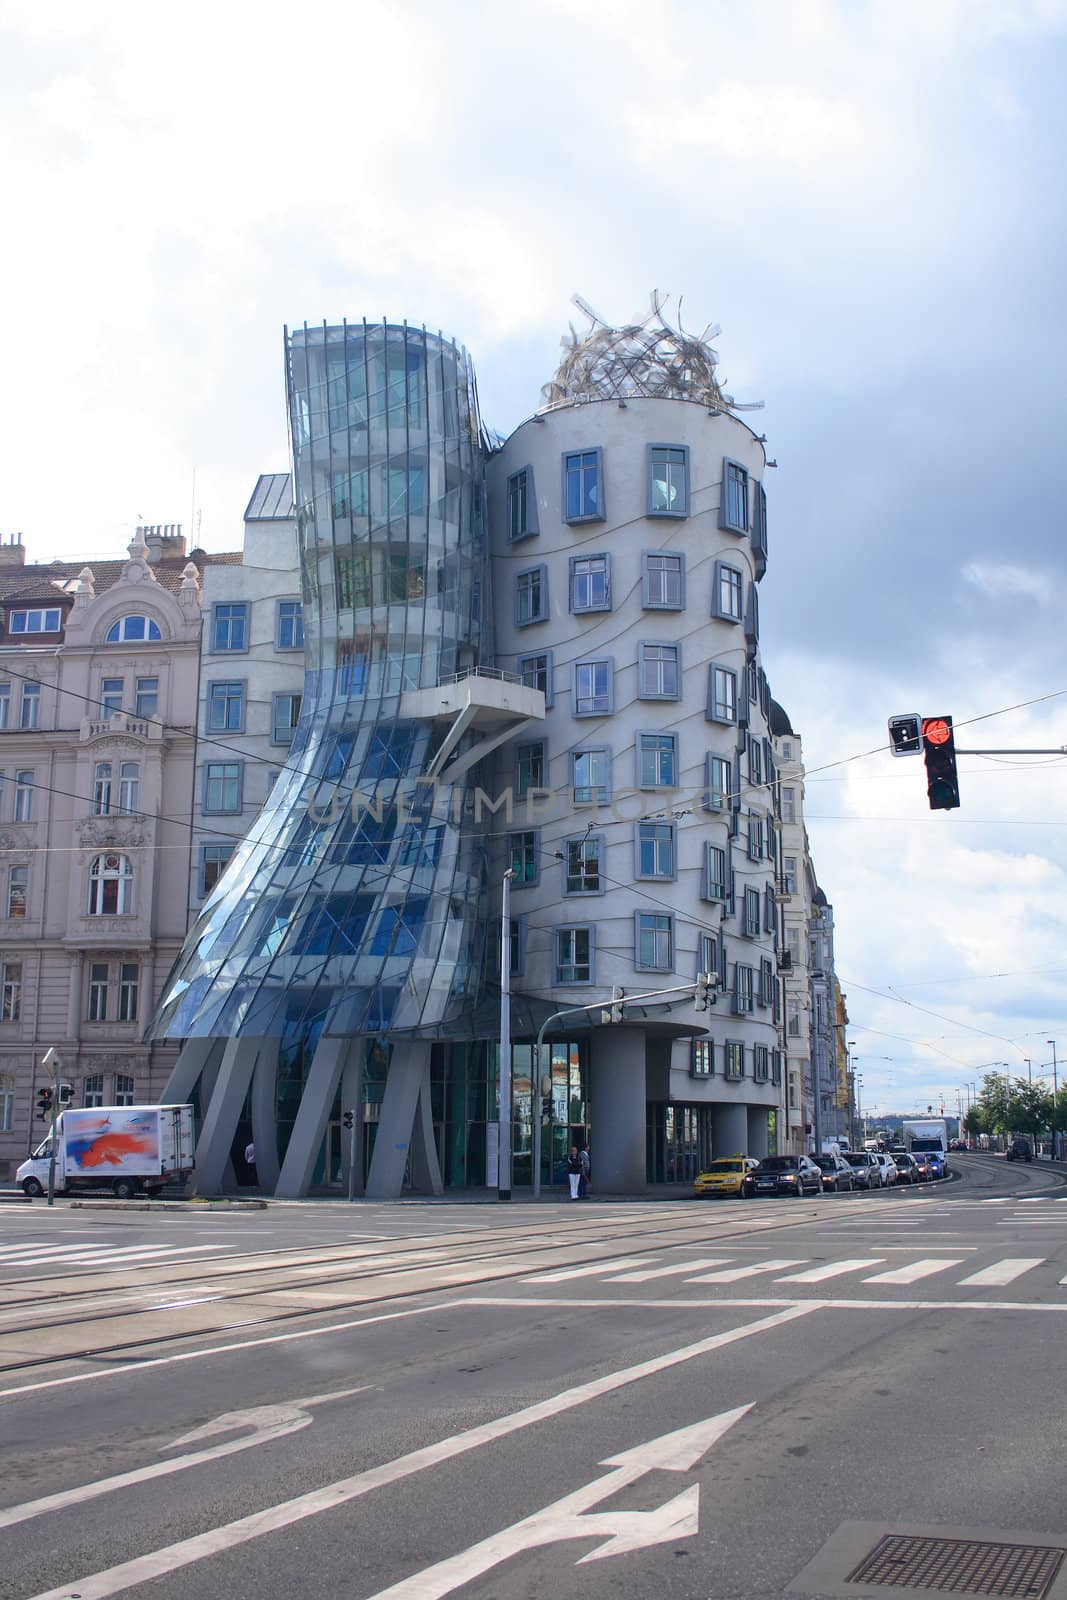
(960, 1566)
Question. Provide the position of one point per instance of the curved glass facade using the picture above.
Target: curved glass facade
(356, 903)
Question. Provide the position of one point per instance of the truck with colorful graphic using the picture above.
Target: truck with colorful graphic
(127, 1150)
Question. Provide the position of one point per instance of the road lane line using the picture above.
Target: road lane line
(142, 1569)
(835, 1269)
(914, 1271)
(649, 1273)
(587, 1269)
(1001, 1272)
(735, 1274)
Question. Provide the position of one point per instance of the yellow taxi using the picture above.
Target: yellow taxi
(730, 1175)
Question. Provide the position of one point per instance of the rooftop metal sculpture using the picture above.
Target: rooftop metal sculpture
(649, 359)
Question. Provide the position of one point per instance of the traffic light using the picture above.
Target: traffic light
(615, 1014)
(348, 1119)
(44, 1104)
(905, 735)
(939, 748)
(701, 996)
(66, 1093)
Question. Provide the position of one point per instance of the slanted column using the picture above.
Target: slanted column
(729, 1131)
(223, 1114)
(352, 1100)
(192, 1059)
(309, 1128)
(617, 1096)
(264, 1114)
(408, 1079)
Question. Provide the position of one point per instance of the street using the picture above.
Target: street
(688, 1400)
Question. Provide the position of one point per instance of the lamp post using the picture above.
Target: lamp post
(1055, 1092)
(850, 1045)
(503, 1157)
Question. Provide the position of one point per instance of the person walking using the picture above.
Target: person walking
(583, 1172)
(574, 1172)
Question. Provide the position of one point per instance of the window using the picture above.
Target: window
(583, 869)
(285, 714)
(743, 988)
(655, 850)
(750, 914)
(789, 874)
(592, 688)
(662, 581)
(111, 692)
(223, 785)
(722, 699)
(728, 593)
(10, 991)
(102, 789)
(525, 858)
(702, 1059)
(733, 1060)
(657, 760)
(24, 796)
(759, 528)
(225, 707)
(668, 480)
(590, 583)
(350, 494)
(17, 883)
(591, 777)
(752, 624)
(708, 954)
(718, 783)
(529, 767)
(522, 505)
(583, 498)
(733, 511)
(30, 710)
(96, 1010)
(405, 491)
(134, 629)
(93, 1090)
(5, 705)
(531, 596)
(715, 873)
(654, 941)
(792, 946)
(770, 918)
(789, 805)
(755, 837)
(229, 626)
(124, 1089)
(110, 886)
(572, 955)
(659, 671)
(766, 983)
(536, 673)
(213, 862)
(45, 620)
(399, 929)
(147, 700)
(129, 787)
(290, 630)
(7, 1102)
(761, 1063)
(787, 750)
(793, 1024)
(755, 762)
(129, 986)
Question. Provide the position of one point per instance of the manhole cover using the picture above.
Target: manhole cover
(960, 1566)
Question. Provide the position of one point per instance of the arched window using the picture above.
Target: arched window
(110, 886)
(133, 629)
(7, 1102)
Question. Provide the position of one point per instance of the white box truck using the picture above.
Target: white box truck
(126, 1149)
(925, 1134)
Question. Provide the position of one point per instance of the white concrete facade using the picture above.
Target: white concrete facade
(797, 888)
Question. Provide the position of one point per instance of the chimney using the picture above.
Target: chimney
(163, 539)
(12, 551)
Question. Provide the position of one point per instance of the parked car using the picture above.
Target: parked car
(730, 1176)
(1019, 1149)
(937, 1164)
(907, 1171)
(889, 1168)
(787, 1175)
(922, 1165)
(865, 1166)
(837, 1175)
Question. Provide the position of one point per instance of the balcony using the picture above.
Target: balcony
(481, 700)
(121, 722)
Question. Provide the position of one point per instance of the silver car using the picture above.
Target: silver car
(866, 1167)
(890, 1170)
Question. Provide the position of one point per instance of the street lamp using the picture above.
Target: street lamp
(1055, 1092)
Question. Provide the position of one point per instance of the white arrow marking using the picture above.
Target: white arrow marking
(269, 1422)
(566, 1519)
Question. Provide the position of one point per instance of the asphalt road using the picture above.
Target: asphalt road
(692, 1400)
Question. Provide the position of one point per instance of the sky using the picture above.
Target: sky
(867, 194)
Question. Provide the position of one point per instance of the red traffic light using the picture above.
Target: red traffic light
(936, 730)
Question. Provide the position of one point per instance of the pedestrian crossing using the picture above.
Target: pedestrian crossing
(726, 1270)
(103, 1258)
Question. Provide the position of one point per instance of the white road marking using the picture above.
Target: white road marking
(588, 1269)
(834, 1269)
(268, 1422)
(914, 1271)
(1001, 1272)
(734, 1274)
(94, 1255)
(143, 1569)
(569, 1517)
(751, 1303)
(649, 1273)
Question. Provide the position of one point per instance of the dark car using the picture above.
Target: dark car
(937, 1163)
(922, 1165)
(907, 1171)
(787, 1175)
(837, 1175)
(865, 1169)
(1020, 1150)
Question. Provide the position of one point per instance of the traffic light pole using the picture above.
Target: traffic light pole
(50, 1063)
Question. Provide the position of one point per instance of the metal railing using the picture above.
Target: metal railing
(478, 672)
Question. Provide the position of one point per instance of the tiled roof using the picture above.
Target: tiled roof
(51, 581)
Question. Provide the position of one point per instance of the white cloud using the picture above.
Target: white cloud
(1001, 579)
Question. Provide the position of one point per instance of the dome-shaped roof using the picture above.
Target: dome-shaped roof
(649, 359)
(779, 722)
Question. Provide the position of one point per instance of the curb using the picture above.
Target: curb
(167, 1205)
